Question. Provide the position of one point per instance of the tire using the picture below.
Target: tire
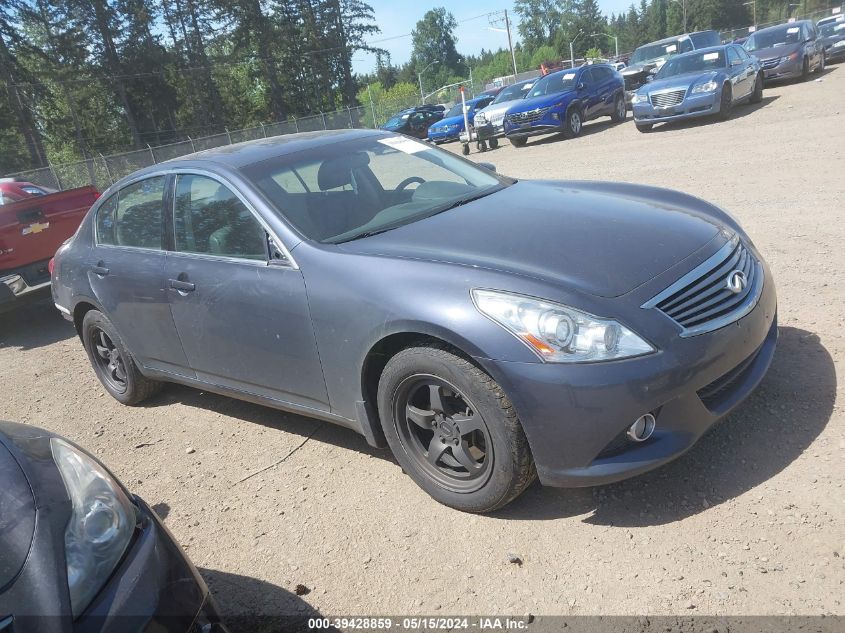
(620, 110)
(112, 362)
(494, 143)
(726, 104)
(574, 122)
(465, 149)
(805, 69)
(644, 127)
(518, 142)
(757, 95)
(822, 63)
(443, 392)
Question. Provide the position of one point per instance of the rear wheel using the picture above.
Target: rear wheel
(574, 123)
(757, 95)
(518, 142)
(453, 430)
(112, 362)
(620, 110)
(726, 103)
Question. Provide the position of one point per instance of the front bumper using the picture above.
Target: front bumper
(550, 123)
(784, 70)
(834, 54)
(155, 588)
(576, 416)
(489, 130)
(691, 107)
(444, 137)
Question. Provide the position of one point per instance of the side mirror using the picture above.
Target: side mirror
(488, 166)
(581, 86)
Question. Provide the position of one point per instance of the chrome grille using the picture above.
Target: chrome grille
(666, 99)
(770, 63)
(702, 301)
(529, 116)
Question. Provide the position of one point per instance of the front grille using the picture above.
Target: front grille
(704, 299)
(667, 99)
(721, 389)
(770, 63)
(529, 116)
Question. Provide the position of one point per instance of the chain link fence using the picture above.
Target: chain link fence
(102, 171)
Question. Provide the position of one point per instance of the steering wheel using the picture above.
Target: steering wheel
(409, 181)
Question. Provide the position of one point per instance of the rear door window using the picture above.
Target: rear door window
(132, 216)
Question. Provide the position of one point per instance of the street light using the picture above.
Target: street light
(419, 76)
(615, 40)
(572, 49)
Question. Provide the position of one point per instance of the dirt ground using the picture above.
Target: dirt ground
(751, 521)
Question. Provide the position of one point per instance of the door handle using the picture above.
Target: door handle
(182, 286)
(100, 270)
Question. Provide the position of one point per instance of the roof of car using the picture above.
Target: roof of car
(782, 24)
(248, 152)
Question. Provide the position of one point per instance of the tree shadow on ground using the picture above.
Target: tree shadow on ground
(764, 436)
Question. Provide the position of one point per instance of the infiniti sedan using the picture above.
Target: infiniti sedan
(488, 330)
(706, 82)
(78, 552)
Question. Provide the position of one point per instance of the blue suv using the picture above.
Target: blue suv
(449, 128)
(564, 101)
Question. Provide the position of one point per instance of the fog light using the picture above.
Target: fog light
(642, 429)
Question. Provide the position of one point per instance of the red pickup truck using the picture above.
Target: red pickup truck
(31, 229)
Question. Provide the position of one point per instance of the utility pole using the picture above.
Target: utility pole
(510, 42)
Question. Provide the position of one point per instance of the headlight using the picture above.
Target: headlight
(100, 525)
(839, 44)
(639, 98)
(789, 58)
(558, 333)
(480, 118)
(710, 86)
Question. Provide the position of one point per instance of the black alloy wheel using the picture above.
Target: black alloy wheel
(443, 432)
(108, 360)
(726, 104)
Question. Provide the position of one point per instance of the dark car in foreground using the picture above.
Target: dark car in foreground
(563, 101)
(833, 39)
(788, 51)
(488, 330)
(709, 82)
(78, 552)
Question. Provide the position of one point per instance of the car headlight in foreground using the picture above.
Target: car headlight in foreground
(708, 86)
(101, 523)
(639, 98)
(559, 333)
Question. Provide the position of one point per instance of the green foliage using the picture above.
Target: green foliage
(381, 104)
(434, 44)
(544, 54)
(593, 53)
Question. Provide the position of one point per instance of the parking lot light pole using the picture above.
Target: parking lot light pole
(615, 40)
(419, 76)
(572, 49)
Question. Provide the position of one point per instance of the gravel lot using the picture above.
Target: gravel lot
(751, 521)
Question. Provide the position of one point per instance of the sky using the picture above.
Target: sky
(398, 18)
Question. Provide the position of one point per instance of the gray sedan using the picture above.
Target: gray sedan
(488, 330)
(788, 51)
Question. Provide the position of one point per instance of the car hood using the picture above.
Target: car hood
(684, 80)
(636, 69)
(443, 123)
(17, 517)
(496, 110)
(524, 105)
(604, 239)
(775, 51)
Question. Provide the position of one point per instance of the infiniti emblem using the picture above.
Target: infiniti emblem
(737, 281)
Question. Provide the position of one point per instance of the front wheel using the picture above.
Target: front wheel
(112, 362)
(726, 103)
(805, 69)
(518, 142)
(822, 62)
(620, 110)
(757, 95)
(452, 429)
(574, 123)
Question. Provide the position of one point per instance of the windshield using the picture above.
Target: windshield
(396, 122)
(513, 92)
(650, 52)
(342, 191)
(832, 28)
(692, 62)
(557, 82)
(455, 110)
(775, 36)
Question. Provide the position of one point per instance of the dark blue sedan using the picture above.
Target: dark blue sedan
(705, 82)
(564, 101)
